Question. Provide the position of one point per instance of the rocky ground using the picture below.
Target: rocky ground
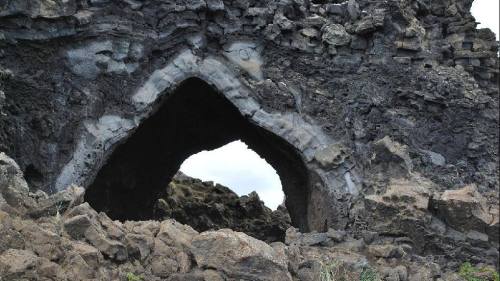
(60, 237)
(205, 206)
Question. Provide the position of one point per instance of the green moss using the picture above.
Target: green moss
(472, 273)
(133, 277)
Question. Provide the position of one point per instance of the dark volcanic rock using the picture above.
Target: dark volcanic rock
(205, 206)
(375, 115)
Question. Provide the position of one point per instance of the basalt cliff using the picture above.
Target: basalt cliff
(380, 117)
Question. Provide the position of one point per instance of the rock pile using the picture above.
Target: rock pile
(205, 206)
(71, 241)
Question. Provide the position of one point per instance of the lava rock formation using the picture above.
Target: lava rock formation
(379, 117)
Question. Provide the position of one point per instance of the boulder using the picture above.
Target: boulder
(50, 271)
(82, 209)
(77, 226)
(83, 223)
(13, 187)
(43, 242)
(336, 235)
(139, 245)
(385, 251)
(238, 256)
(466, 209)
(427, 271)
(371, 22)
(293, 237)
(167, 260)
(113, 229)
(14, 263)
(90, 254)
(403, 197)
(59, 202)
(110, 248)
(147, 228)
(335, 34)
(10, 238)
(175, 234)
(76, 268)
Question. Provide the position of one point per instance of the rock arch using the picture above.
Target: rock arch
(282, 138)
(78, 79)
(192, 118)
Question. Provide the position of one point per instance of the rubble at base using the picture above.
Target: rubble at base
(206, 206)
(71, 241)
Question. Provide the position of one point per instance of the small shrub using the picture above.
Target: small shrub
(472, 273)
(369, 274)
(337, 271)
(133, 277)
(327, 270)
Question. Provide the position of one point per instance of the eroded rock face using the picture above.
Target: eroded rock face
(376, 99)
(313, 74)
(205, 206)
(467, 210)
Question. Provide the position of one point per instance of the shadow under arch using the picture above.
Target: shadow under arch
(192, 118)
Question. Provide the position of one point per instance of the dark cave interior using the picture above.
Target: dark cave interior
(193, 118)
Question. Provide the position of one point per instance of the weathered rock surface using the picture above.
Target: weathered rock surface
(13, 187)
(313, 74)
(467, 210)
(239, 256)
(57, 247)
(206, 206)
(375, 114)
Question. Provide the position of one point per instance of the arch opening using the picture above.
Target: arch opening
(193, 118)
(240, 168)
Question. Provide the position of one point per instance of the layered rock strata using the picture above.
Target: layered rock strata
(378, 115)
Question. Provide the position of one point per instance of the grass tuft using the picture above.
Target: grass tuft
(133, 277)
(472, 273)
(337, 271)
(369, 274)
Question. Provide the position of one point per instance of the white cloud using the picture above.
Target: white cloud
(487, 13)
(239, 168)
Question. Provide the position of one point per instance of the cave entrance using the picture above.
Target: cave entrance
(193, 118)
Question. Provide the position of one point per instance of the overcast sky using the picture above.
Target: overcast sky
(486, 12)
(242, 170)
(239, 168)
